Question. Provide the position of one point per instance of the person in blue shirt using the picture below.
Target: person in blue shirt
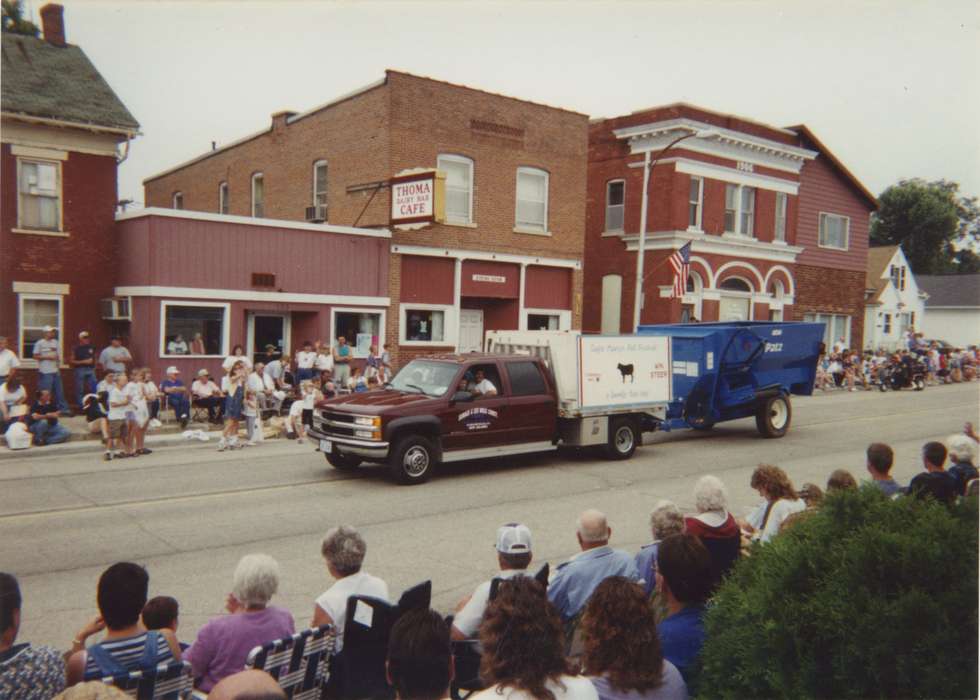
(880, 459)
(574, 581)
(178, 398)
(684, 581)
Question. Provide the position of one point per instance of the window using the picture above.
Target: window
(835, 328)
(747, 214)
(886, 324)
(781, 204)
(203, 326)
(258, 195)
(425, 325)
(223, 198)
(615, 204)
(775, 314)
(543, 322)
(731, 203)
(361, 329)
(178, 200)
(694, 203)
(834, 231)
(898, 276)
(459, 188)
(735, 284)
(36, 312)
(525, 379)
(39, 205)
(532, 199)
(320, 184)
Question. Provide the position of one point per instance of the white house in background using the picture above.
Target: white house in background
(952, 309)
(893, 300)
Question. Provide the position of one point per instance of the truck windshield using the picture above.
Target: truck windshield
(425, 377)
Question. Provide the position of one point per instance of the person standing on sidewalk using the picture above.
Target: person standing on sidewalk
(47, 352)
(8, 360)
(83, 360)
(115, 358)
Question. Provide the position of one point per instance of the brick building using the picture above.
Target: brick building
(779, 228)
(62, 131)
(508, 254)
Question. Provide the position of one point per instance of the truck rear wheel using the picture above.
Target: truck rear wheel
(623, 438)
(344, 463)
(774, 416)
(412, 460)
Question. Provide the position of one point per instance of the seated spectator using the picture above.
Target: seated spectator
(160, 613)
(841, 480)
(513, 557)
(208, 395)
(13, 401)
(622, 648)
(420, 664)
(684, 579)
(127, 646)
(178, 398)
(574, 581)
(343, 550)
(779, 502)
(523, 654)
(305, 362)
(276, 370)
(880, 459)
(248, 685)
(223, 644)
(237, 355)
(44, 423)
(665, 520)
(963, 458)
(357, 382)
(812, 495)
(26, 671)
(715, 526)
(92, 690)
(935, 481)
(98, 420)
(177, 346)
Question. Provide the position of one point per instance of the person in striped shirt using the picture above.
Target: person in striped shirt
(127, 645)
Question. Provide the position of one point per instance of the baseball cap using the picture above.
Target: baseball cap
(83, 334)
(172, 370)
(202, 373)
(48, 329)
(513, 538)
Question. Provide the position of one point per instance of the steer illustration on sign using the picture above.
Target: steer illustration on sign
(626, 371)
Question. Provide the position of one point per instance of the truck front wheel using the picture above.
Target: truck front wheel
(344, 463)
(623, 439)
(774, 416)
(412, 460)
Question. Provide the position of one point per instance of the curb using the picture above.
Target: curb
(95, 446)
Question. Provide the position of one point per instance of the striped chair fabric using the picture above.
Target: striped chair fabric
(300, 663)
(168, 681)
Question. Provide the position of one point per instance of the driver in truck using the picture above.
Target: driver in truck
(483, 386)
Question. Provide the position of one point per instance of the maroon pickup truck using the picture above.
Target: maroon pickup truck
(447, 408)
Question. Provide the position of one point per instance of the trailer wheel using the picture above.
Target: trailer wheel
(412, 460)
(344, 463)
(774, 416)
(623, 439)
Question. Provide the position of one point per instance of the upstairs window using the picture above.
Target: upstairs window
(779, 234)
(834, 231)
(532, 199)
(178, 200)
(258, 195)
(459, 188)
(747, 214)
(320, 185)
(39, 203)
(898, 276)
(223, 198)
(731, 207)
(739, 209)
(615, 204)
(694, 202)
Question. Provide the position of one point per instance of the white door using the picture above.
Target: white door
(470, 330)
(612, 303)
(733, 309)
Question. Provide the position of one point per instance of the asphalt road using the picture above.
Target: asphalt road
(188, 513)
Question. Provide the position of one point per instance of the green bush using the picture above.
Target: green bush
(866, 598)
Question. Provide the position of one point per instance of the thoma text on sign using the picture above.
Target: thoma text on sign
(412, 199)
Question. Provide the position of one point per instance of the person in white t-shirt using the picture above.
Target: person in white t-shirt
(482, 387)
(305, 362)
(343, 549)
(237, 355)
(324, 359)
(120, 404)
(781, 501)
(8, 360)
(13, 401)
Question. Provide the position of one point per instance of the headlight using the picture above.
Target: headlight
(369, 421)
(368, 434)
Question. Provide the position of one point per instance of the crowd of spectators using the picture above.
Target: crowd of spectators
(607, 624)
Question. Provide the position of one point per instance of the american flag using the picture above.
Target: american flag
(681, 262)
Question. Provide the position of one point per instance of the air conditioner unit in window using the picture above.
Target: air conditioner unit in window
(316, 214)
(116, 309)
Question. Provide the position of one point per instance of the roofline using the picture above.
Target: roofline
(805, 130)
(64, 123)
(785, 130)
(253, 221)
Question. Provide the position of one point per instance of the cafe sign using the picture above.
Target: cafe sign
(417, 198)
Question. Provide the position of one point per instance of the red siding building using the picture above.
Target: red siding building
(757, 203)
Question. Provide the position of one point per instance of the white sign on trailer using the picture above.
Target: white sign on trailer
(621, 371)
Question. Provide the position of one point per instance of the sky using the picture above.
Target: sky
(892, 87)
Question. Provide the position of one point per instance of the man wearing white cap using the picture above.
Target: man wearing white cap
(513, 556)
(47, 352)
(208, 395)
(177, 396)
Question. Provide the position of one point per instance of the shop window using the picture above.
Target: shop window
(695, 199)
(525, 379)
(39, 203)
(223, 198)
(36, 312)
(543, 322)
(459, 188)
(834, 231)
(361, 329)
(425, 325)
(532, 199)
(258, 195)
(615, 204)
(203, 327)
(782, 201)
(178, 200)
(836, 326)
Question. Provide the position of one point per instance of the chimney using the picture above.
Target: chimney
(53, 22)
(279, 120)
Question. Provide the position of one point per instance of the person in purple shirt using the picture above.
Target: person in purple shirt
(684, 580)
(223, 644)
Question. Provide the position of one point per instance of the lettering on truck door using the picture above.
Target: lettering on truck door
(486, 421)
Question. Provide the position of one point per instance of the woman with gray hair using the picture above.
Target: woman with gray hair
(715, 526)
(665, 520)
(962, 452)
(224, 642)
(343, 550)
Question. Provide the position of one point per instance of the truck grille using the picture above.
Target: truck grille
(334, 423)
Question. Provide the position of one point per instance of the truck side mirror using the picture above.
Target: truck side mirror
(462, 397)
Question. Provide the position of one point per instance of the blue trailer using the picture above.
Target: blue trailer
(726, 371)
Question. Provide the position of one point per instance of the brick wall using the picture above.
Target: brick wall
(824, 290)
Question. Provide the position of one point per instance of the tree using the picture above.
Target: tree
(933, 223)
(13, 19)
